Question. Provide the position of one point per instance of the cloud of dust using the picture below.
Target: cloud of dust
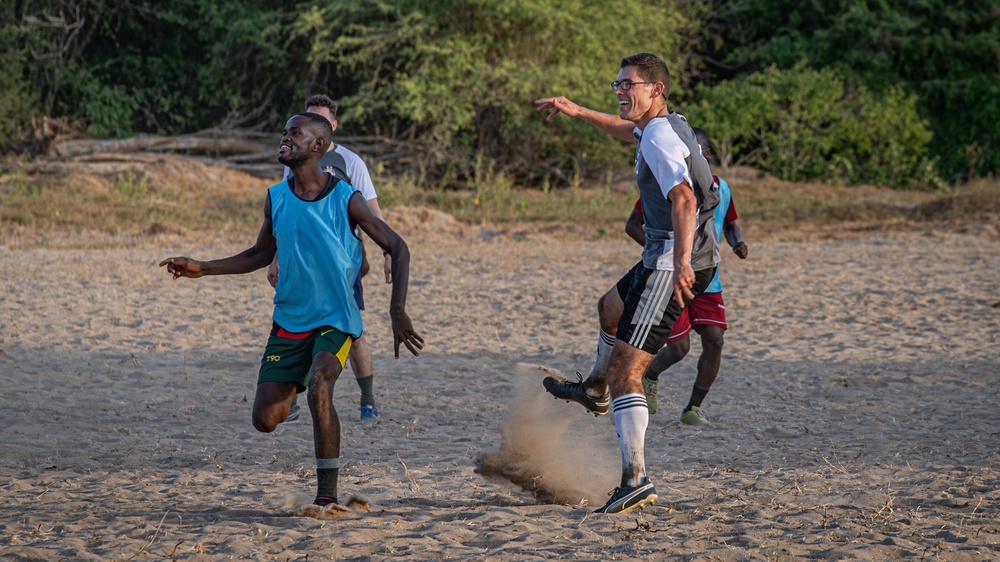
(555, 449)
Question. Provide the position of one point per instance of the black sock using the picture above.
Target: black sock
(697, 395)
(326, 489)
(367, 393)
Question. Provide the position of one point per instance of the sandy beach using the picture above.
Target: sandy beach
(856, 415)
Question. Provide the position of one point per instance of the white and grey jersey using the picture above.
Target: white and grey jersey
(668, 155)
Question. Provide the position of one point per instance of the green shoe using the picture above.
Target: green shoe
(693, 417)
(649, 387)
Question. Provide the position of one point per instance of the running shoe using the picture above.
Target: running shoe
(649, 387)
(369, 412)
(628, 498)
(693, 417)
(575, 392)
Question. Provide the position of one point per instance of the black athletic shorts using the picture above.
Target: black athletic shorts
(650, 307)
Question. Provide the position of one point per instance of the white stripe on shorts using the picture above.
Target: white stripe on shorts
(652, 314)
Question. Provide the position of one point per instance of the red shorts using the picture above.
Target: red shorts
(707, 309)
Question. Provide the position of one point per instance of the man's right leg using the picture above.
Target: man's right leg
(712, 338)
(593, 393)
(271, 404)
(609, 312)
(282, 375)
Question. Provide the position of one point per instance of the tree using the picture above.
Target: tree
(806, 124)
(460, 76)
(947, 53)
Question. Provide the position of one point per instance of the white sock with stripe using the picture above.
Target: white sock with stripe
(631, 420)
(604, 344)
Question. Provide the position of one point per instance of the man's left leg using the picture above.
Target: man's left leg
(330, 351)
(708, 316)
(593, 393)
(631, 420)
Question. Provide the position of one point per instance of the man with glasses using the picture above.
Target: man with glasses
(678, 259)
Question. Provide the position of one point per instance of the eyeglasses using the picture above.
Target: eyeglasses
(625, 85)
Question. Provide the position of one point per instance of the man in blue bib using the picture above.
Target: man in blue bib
(309, 220)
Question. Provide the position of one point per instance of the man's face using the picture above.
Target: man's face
(635, 102)
(296, 140)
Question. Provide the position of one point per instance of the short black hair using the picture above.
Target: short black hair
(320, 125)
(322, 100)
(651, 68)
(701, 136)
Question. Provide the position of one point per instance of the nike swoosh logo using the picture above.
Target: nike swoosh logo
(325, 333)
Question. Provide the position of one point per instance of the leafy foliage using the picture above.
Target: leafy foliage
(804, 124)
(461, 76)
(787, 86)
(946, 52)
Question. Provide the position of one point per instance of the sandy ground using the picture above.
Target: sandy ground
(856, 416)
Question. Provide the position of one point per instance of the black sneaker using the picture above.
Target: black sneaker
(627, 498)
(575, 392)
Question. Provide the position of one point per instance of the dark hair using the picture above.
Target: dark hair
(323, 100)
(320, 125)
(701, 136)
(651, 69)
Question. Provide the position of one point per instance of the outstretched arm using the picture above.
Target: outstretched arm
(610, 124)
(251, 259)
(734, 236)
(389, 241)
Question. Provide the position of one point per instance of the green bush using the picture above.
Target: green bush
(813, 124)
(19, 101)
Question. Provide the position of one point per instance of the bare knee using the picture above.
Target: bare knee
(323, 376)
(680, 347)
(271, 404)
(609, 311)
(712, 339)
(264, 423)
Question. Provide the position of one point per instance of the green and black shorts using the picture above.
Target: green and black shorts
(288, 355)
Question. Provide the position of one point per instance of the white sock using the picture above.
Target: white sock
(631, 420)
(604, 344)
